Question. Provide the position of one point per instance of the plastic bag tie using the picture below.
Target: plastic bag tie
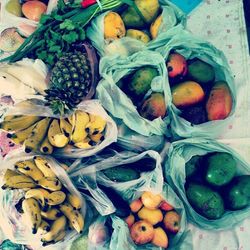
(99, 3)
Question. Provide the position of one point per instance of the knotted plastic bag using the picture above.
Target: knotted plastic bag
(12, 222)
(172, 18)
(37, 107)
(114, 99)
(179, 154)
(191, 47)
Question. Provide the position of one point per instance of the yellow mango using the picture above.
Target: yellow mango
(155, 26)
(114, 27)
(138, 35)
(187, 94)
(153, 216)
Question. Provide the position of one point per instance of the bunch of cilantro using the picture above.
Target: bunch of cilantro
(56, 42)
(59, 30)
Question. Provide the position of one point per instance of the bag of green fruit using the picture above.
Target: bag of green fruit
(202, 86)
(82, 133)
(134, 28)
(134, 90)
(40, 205)
(133, 183)
(212, 180)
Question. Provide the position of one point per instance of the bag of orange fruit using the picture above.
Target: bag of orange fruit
(202, 86)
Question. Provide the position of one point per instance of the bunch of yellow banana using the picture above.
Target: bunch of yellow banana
(43, 134)
(48, 207)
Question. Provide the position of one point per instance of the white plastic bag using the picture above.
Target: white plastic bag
(12, 223)
(23, 79)
(7, 17)
(85, 174)
(36, 107)
(172, 17)
(132, 141)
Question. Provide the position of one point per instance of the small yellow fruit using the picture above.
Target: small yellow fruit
(150, 200)
(114, 27)
(153, 216)
(130, 220)
(155, 26)
(136, 205)
(160, 238)
(138, 35)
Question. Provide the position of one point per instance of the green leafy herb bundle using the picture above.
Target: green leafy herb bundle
(59, 30)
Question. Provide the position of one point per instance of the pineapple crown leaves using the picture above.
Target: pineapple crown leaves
(59, 107)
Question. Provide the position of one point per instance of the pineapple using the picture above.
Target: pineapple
(70, 82)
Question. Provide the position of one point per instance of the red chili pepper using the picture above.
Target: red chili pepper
(87, 3)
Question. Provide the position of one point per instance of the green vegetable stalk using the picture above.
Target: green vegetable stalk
(59, 30)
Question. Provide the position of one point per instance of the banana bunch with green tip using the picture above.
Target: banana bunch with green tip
(47, 207)
(37, 133)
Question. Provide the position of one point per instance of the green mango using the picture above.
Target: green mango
(221, 168)
(14, 7)
(192, 166)
(132, 19)
(237, 193)
(200, 71)
(121, 174)
(149, 9)
(205, 201)
(140, 81)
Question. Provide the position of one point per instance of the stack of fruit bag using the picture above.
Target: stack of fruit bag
(39, 203)
(131, 29)
(133, 183)
(85, 132)
(212, 180)
(182, 88)
(197, 96)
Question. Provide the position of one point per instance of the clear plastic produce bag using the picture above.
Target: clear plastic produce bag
(12, 223)
(114, 99)
(191, 47)
(8, 17)
(179, 154)
(172, 17)
(87, 174)
(37, 107)
(132, 141)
